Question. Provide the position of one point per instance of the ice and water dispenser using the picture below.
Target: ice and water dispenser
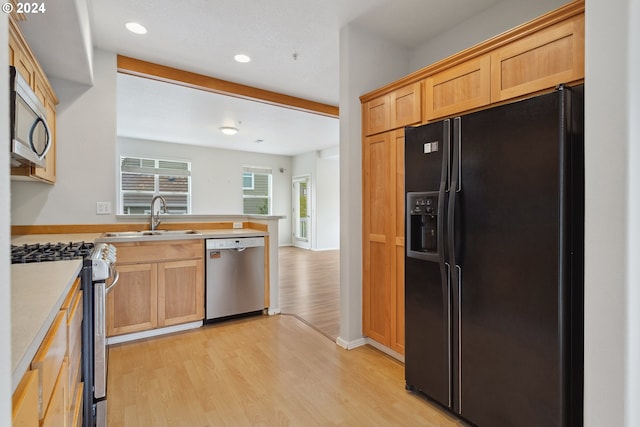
(422, 225)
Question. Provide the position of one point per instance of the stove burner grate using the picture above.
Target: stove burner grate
(42, 252)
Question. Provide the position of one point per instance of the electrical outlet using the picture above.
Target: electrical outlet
(103, 208)
(237, 225)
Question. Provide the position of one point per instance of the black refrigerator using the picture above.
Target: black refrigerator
(494, 262)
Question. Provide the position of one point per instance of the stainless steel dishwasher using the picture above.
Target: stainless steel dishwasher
(235, 277)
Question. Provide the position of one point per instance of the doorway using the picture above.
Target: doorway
(301, 211)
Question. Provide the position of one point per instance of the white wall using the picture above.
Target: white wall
(497, 19)
(366, 63)
(612, 271)
(323, 168)
(327, 202)
(86, 138)
(5, 233)
(216, 177)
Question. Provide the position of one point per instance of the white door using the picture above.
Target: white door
(301, 207)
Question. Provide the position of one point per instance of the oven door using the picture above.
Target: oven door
(101, 353)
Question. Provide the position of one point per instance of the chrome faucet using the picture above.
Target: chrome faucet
(155, 216)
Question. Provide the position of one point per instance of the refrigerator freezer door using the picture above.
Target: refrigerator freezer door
(427, 292)
(508, 289)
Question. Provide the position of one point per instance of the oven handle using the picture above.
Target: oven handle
(114, 283)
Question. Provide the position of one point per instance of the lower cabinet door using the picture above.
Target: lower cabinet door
(132, 304)
(180, 292)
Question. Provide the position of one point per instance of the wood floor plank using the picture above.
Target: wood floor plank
(259, 371)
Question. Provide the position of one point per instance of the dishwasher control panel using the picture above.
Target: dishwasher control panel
(235, 243)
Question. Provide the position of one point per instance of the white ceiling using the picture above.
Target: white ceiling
(203, 35)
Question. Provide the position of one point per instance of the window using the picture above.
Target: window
(143, 178)
(256, 190)
(247, 181)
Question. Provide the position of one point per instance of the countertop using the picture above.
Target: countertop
(201, 234)
(37, 293)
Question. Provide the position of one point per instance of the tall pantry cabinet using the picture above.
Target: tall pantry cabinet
(383, 213)
(530, 59)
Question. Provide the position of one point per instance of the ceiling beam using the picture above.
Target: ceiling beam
(137, 67)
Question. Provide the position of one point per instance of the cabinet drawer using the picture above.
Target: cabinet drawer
(56, 414)
(25, 401)
(71, 296)
(140, 252)
(74, 328)
(49, 358)
(75, 412)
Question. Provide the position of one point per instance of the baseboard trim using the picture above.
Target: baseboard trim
(349, 345)
(385, 349)
(272, 311)
(153, 333)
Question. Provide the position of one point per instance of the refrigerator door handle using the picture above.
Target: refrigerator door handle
(458, 273)
(446, 136)
(455, 178)
(457, 131)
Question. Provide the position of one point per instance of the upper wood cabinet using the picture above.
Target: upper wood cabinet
(21, 57)
(376, 115)
(460, 88)
(399, 108)
(542, 60)
(406, 106)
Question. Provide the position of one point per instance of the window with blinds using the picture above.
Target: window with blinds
(256, 190)
(143, 178)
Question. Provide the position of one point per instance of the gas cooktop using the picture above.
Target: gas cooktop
(42, 252)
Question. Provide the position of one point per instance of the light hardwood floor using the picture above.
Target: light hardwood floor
(310, 287)
(259, 371)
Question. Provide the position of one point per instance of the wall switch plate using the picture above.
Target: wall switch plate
(103, 208)
(237, 225)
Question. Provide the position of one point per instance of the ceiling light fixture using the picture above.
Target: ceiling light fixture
(242, 58)
(136, 28)
(228, 130)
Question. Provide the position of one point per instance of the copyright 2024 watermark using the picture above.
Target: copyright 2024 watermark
(25, 8)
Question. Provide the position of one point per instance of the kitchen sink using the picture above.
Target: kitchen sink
(145, 233)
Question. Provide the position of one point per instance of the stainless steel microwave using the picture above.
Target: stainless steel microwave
(30, 135)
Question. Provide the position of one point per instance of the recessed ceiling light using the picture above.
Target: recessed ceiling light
(229, 130)
(134, 27)
(242, 58)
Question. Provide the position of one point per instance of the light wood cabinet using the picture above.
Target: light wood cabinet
(377, 115)
(132, 305)
(383, 239)
(56, 415)
(25, 401)
(161, 284)
(399, 108)
(21, 57)
(180, 292)
(464, 87)
(539, 61)
(405, 106)
(49, 358)
(48, 393)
